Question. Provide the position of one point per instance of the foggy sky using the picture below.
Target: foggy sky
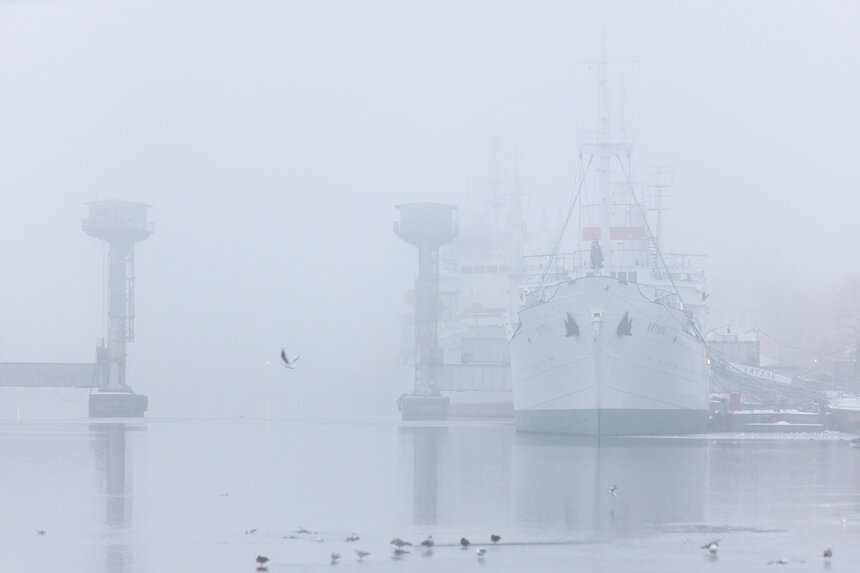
(273, 139)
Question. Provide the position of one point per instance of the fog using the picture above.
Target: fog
(273, 139)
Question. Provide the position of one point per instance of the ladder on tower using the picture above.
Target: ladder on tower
(129, 298)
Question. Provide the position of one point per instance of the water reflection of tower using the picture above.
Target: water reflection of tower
(112, 463)
(460, 474)
(425, 472)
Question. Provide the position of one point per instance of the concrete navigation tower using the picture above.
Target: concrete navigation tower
(121, 224)
(428, 226)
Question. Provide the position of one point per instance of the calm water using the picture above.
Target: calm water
(161, 495)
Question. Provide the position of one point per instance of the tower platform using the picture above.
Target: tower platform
(117, 405)
(418, 407)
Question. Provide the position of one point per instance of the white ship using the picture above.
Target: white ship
(608, 338)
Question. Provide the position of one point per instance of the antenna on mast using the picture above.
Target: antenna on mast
(603, 102)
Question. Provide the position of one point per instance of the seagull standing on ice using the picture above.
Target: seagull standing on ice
(334, 558)
(399, 542)
(495, 538)
(481, 551)
(712, 546)
(287, 362)
(827, 555)
(361, 554)
(428, 542)
(612, 491)
(464, 543)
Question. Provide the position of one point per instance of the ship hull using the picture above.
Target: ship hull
(597, 357)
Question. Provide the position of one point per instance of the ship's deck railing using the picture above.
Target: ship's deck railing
(577, 263)
(601, 137)
(533, 295)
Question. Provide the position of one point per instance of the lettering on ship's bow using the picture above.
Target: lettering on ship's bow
(656, 328)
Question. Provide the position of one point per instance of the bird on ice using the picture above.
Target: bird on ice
(43, 532)
(827, 554)
(353, 537)
(399, 542)
(481, 551)
(262, 560)
(334, 558)
(361, 554)
(712, 546)
(495, 538)
(613, 490)
(464, 543)
(428, 542)
(287, 362)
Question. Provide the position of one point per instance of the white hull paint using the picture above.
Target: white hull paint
(600, 381)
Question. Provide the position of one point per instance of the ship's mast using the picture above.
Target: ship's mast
(603, 138)
(606, 147)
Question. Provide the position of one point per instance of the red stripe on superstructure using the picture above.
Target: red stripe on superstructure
(590, 233)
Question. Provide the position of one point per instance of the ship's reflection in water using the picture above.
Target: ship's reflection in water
(566, 483)
(110, 454)
(549, 485)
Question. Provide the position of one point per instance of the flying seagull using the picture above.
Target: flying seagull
(287, 362)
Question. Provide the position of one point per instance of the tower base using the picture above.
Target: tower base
(417, 407)
(117, 405)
